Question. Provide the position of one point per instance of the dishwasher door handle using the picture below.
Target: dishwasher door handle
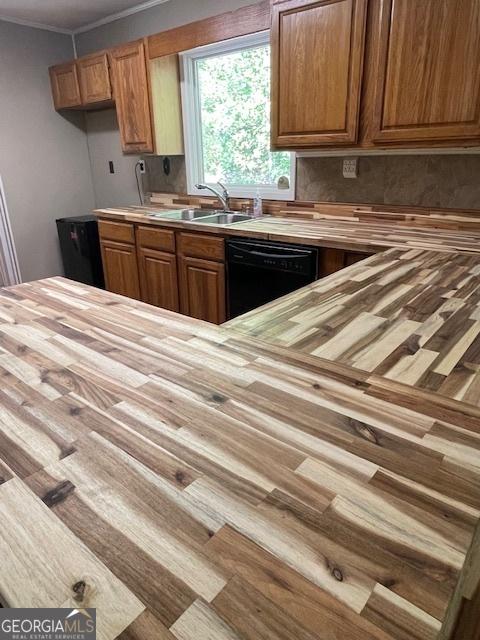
(239, 252)
(277, 255)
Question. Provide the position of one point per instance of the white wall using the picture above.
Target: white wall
(43, 155)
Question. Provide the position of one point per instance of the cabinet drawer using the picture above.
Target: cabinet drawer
(152, 238)
(117, 231)
(197, 245)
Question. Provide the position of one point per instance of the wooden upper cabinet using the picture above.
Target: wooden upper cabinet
(131, 89)
(317, 63)
(427, 71)
(94, 79)
(65, 86)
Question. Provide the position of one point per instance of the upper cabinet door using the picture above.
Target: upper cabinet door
(65, 87)
(94, 79)
(130, 82)
(427, 71)
(317, 63)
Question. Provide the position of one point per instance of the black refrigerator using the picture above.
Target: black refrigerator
(80, 248)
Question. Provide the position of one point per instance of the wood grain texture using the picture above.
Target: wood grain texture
(326, 231)
(202, 289)
(94, 78)
(30, 530)
(412, 317)
(249, 19)
(203, 484)
(65, 86)
(120, 268)
(317, 53)
(132, 96)
(118, 232)
(437, 42)
(154, 238)
(158, 278)
(461, 620)
(194, 245)
(427, 217)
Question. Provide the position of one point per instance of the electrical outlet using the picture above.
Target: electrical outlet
(141, 164)
(350, 167)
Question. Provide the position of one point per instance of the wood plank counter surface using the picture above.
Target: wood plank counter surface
(337, 233)
(194, 483)
(410, 316)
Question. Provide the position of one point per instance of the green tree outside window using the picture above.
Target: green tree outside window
(235, 117)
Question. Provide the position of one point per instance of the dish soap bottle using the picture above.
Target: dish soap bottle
(257, 205)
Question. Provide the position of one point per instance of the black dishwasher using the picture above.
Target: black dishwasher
(259, 272)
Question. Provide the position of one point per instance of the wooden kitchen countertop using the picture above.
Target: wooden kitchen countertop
(337, 233)
(410, 316)
(191, 482)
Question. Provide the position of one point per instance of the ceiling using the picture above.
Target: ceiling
(69, 15)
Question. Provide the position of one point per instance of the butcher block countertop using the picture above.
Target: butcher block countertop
(336, 233)
(191, 482)
(410, 316)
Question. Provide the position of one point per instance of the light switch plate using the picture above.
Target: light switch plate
(350, 167)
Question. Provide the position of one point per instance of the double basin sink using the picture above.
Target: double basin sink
(221, 218)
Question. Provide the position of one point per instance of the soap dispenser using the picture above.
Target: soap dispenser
(257, 205)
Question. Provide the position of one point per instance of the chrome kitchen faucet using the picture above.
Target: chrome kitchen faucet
(223, 197)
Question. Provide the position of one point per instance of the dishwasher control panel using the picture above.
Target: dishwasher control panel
(277, 257)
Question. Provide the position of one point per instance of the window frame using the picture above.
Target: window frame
(192, 125)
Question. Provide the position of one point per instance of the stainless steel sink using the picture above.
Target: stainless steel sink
(203, 216)
(180, 214)
(224, 218)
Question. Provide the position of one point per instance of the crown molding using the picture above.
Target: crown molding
(117, 16)
(36, 25)
(87, 27)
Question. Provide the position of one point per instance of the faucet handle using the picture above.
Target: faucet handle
(225, 190)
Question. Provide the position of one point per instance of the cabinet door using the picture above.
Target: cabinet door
(158, 278)
(130, 83)
(333, 260)
(317, 62)
(94, 79)
(427, 71)
(352, 257)
(120, 268)
(202, 289)
(65, 86)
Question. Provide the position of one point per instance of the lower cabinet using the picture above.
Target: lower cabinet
(351, 257)
(180, 271)
(158, 278)
(174, 270)
(120, 268)
(202, 289)
(332, 260)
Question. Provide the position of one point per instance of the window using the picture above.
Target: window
(226, 111)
